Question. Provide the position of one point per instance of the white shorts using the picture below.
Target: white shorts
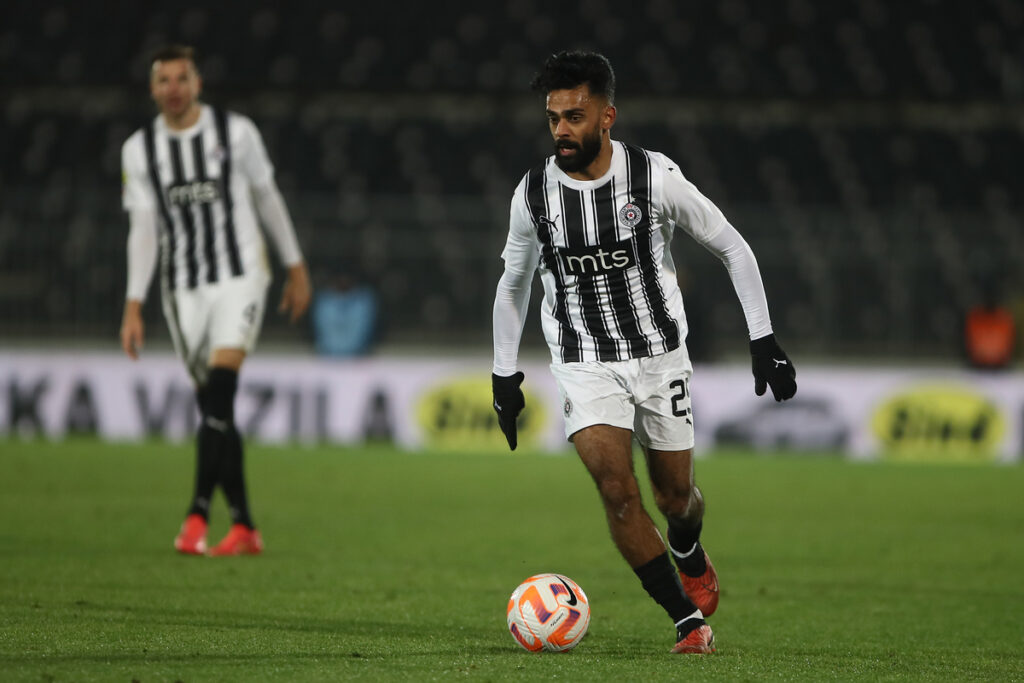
(222, 315)
(649, 396)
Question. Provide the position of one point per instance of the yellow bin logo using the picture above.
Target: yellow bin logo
(939, 423)
(459, 414)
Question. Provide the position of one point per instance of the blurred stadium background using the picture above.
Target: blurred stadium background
(868, 150)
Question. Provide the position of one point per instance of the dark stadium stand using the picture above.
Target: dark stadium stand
(869, 151)
(860, 49)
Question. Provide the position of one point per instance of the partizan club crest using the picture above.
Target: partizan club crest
(630, 214)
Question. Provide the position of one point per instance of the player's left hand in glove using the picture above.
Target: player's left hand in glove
(772, 368)
(508, 403)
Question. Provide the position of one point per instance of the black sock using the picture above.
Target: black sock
(209, 450)
(221, 388)
(220, 446)
(233, 480)
(684, 542)
(661, 581)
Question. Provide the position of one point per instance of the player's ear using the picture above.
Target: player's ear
(608, 117)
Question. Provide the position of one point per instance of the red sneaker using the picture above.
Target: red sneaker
(702, 590)
(241, 540)
(192, 538)
(699, 641)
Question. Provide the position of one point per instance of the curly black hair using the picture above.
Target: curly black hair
(567, 70)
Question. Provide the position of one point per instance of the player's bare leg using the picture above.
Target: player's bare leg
(678, 498)
(607, 454)
(675, 491)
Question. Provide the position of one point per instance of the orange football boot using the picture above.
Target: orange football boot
(240, 540)
(702, 590)
(700, 641)
(192, 538)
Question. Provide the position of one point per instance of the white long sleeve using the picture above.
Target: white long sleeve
(274, 214)
(511, 303)
(701, 219)
(728, 245)
(512, 298)
(142, 252)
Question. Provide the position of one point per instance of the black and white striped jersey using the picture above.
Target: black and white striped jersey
(602, 248)
(199, 183)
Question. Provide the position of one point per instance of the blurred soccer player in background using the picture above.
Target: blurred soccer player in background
(596, 220)
(195, 178)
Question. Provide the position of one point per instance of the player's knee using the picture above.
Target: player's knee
(681, 502)
(217, 396)
(619, 494)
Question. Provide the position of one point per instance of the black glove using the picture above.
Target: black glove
(773, 368)
(508, 403)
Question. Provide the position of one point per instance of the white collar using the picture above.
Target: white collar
(204, 114)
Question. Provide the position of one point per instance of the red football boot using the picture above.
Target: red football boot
(700, 641)
(240, 540)
(192, 538)
(702, 590)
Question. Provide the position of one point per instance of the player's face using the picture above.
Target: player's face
(175, 86)
(579, 122)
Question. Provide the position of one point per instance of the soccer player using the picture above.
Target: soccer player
(195, 178)
(596, 220)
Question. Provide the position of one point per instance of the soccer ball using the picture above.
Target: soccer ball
(548, 612)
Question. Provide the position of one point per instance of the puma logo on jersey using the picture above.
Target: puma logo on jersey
(779, 362)
(599, 259)
(195, 192)
(553, 229)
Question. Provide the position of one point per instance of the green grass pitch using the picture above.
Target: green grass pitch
(384, 565)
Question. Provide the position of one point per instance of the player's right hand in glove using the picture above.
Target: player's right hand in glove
(508, 403)
(772, 368)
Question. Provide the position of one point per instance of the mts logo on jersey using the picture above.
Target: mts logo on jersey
(598, 259)
(195, 192)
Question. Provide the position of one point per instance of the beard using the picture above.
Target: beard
(586, 152)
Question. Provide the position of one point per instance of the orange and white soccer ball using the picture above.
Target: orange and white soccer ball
(548, 612)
